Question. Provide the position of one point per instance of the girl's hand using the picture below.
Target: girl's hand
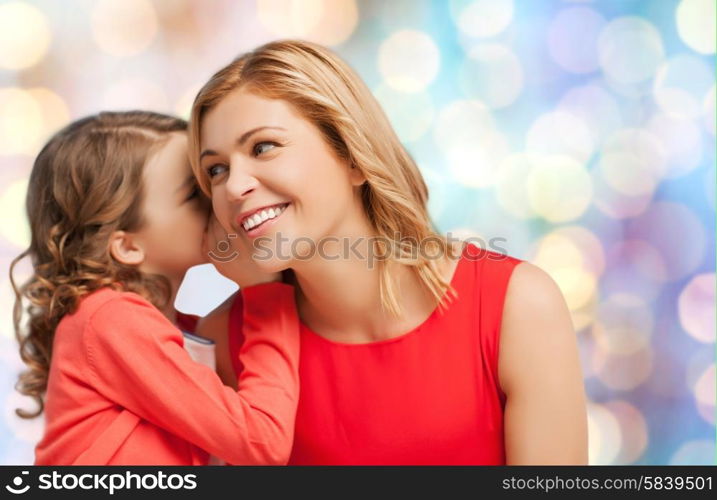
(231, 259)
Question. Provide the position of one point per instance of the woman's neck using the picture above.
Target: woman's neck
(340, 299)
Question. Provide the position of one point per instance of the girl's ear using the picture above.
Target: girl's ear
(125, 248)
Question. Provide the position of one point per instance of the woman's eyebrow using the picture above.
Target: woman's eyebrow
(242, 139)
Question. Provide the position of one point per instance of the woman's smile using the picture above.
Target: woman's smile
(257, 221)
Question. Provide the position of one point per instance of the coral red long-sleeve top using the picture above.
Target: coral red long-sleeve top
(123, 391)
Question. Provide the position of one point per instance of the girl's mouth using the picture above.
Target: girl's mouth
(253, 224)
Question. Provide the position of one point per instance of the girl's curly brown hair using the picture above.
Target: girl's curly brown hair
(85, 184)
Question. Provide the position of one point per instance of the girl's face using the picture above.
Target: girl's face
(175, 212)
(274, 179)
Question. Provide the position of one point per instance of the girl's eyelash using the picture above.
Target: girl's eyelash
(194, 193)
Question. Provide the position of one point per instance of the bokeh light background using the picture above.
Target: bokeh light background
(581, 133)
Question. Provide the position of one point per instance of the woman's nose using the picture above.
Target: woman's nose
(240, 183)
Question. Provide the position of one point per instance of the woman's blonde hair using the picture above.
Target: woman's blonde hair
(85, 184)
(328, 93)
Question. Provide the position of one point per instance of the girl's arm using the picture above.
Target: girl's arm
(137, 360)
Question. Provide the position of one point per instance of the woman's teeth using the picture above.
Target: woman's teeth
(263, 216)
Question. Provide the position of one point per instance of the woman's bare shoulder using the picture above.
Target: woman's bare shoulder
(536, 322)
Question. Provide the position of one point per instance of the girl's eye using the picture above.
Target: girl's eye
(263, 147)
(215, 170)
(194, 193)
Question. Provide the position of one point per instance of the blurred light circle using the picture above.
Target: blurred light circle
(708, 109)
(473, 149)
(584, 316)
(338, 23)
(510, 187)
(559, 188)
(705, 394)
(462, 121)
(624, 372)
(183, 105)
(630, 50)
(408, 60)
(560, 256)
(28, 117)
(624, 324)
(21, 122)
(398, 14)
(696, 366)
(124, 28)
(595, 107)
(411, 115)
(635, 93)
(135, 93)
(15, 228)
(482, 18)
(290, 18)
(560, 133)
(321, 21)
(572, 39)
(681, 85)
(632, 162)
(437, 186)
(589, 245)
(473, 164)
(604, 435)
(681, 141)
(633, 429)
(696, 24)
(55, 113)
(677, 234)
(577, 285)
(696, 307)
(695, 452)
(635, 267)
(24, 35)
(493, 74)
(615, 204)
(711, 187)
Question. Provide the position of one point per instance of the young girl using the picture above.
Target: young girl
(116, 220)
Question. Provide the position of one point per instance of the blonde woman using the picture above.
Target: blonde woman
(414, 349)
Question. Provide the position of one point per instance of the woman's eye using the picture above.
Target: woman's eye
(215, 170)
(263, 147)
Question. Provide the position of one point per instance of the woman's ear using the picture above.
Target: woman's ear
(126, 249)
(356, 176)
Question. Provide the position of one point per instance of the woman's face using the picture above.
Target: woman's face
(274, 179)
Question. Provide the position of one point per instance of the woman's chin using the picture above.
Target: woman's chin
(272, 265)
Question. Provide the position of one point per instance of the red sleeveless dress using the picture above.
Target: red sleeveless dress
(427, 397)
